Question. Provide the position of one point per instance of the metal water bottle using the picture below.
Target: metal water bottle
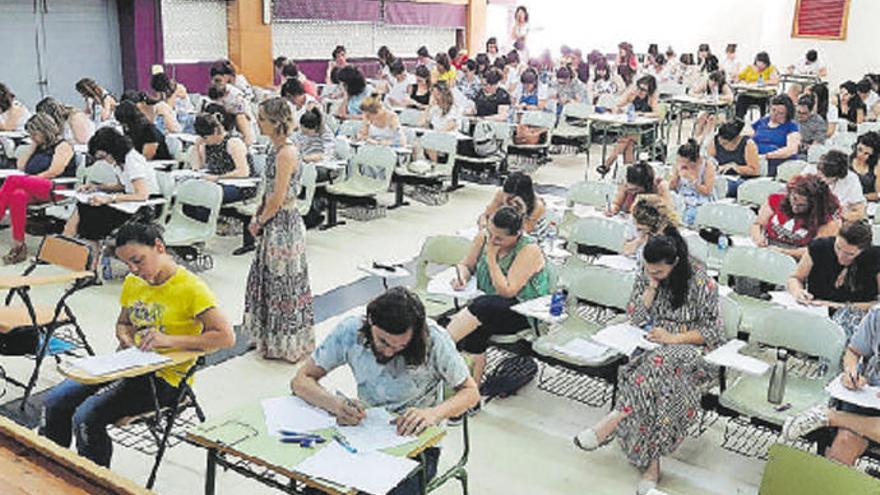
(776, 388)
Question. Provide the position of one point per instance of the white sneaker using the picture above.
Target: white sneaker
(801, 424)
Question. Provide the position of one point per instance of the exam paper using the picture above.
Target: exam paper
(442, 284)
(728, 356)
(624, 338)
(784, 298)
(294, 414)
(865, 397)
(581, 349)
(372, 472)
(118, 361)
(617, 262)
(376, 432)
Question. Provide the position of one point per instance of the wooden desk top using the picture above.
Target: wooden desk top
(80, 376)
(30, 464)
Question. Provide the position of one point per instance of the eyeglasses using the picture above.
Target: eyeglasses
(642, 88)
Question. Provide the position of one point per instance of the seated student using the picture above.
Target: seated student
(469, 82)
(735, 154)
(222, 155)
(337, 61)
(526, 96)
(164, 308)
(457, 57)
(442, 115)
(693, 178)
(420, 92)
(843, 182)
(47, 157)
(788, 221)
(850, 107)
(401, 362)
(863, 162)
(813, 128)
(291, 71)
(856, 426)
(659, 390)
(145, 137)
(777, 135)
(640, 180)
(232, 99)
(604, 82)
(841, 273)
(519, 192)
(760, 72)
(809, 66)
(652, 216)
(100, 104)
(644, 99)
(228, 73)
(443, 69)
(315, 141)
(424, 58)
(137, 181)
(398, 95)
(381, 126)
(385, 58)
(13, 114)
(76, 128)
(509, 267)
(355, 88)
(294, 92)
(569, 89)
(173, 93)
(715, 87)
(865, 90)
(492, 101)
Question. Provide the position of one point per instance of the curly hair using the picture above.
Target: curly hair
(823, 203)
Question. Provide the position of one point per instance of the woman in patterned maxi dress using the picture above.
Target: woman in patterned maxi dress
(278, 315)
(659, 390)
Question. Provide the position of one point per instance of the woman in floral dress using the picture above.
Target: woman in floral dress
(659, 390)
(278, 315)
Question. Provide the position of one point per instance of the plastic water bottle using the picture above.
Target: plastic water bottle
(550, 238)
(776, 388)
(557, 301)
(723, 243)
(760, 79)
(630, 113)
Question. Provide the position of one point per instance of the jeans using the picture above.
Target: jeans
(86, 410)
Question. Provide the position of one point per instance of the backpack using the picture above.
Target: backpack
(484, 139)
(512, 374)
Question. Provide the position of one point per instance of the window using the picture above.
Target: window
(183, 43)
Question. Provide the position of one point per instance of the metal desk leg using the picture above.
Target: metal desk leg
(398, 196)
(211, 472)
(680, 122)
(604, 144)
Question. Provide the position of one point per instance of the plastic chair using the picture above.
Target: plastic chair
(595, 194)
(791, 470)
(187, 236)
(573, 127)
(815, 151)
(175, 147)
(441, 250)
(308, 183)
(371, 173)
(764, 265)
(754, 192)
(844, 139)
(441, 144)
(607, 101)
(410, 117)
(593, 232)
(350, 128)
(867, 127)
(789, 170)
(495, 163)
(542, 120)
(805, 333)
(731, 219)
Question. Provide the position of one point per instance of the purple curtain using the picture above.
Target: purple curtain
(425, 14)
(336, 10)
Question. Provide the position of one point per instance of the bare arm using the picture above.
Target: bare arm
(796, 282)
(708, 184)
(63, 155)
(528, 261)
(792, 144)
(756, 231)
(287, 164)
(238, 151)
(216, 334)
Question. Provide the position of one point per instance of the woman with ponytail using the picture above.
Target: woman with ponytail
(693, 179)
(676, 303)
(652, 216)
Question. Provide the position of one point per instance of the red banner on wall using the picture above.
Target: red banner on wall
(822, 19)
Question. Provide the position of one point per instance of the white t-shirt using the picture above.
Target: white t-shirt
(848, 190)
(136, 167)
(809, 69)
(298, 112)
(440, 122)
(731, 68)
(400, 89)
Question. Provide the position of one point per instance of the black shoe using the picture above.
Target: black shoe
(244, 250)
(603, 170)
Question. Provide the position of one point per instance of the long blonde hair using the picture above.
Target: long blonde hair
(446, 98)
(44, 125)
(653, 212)
(277, 112)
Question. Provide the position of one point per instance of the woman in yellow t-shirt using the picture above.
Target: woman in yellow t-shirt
(164, 308)
(762, 72)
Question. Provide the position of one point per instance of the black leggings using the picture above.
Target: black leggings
(496, 318)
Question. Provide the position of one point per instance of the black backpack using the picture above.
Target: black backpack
(508, 377)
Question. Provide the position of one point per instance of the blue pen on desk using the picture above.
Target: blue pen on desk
(341, 440)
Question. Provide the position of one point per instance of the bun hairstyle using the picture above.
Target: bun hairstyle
(312, 120)
(641, 174)
(690, 150)
(277, 112)
(671, 249)
(206, 124)
(226, 119)
(371, 104)
(509, 219)
(651, 211)
(160, 83)
(728, 131)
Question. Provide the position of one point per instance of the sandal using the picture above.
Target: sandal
(16, 254)
(589, 441)
(603, 170)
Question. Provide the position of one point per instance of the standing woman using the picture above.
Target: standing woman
(627, 64)
(337, 62)
(520, 30)
(13, 114)
(278, 313)
(100, 104)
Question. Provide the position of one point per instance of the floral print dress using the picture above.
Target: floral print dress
(661, 389)
(278, 314)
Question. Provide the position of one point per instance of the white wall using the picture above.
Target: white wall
(754, 25)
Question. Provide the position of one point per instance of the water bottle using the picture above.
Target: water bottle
(557, 301)
(715, 94)
(550, 238)
(760, 79)
(723, 244)
(630, 113)
(776, 389)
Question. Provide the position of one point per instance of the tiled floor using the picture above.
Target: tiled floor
(520, 445)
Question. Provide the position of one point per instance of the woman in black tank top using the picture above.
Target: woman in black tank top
(735, 154)
(643, 97)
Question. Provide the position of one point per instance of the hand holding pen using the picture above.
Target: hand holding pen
(349, 412)
(852, 380)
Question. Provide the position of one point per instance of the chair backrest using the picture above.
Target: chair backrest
(599, 232)
(332, 123)
(441, 142)
(804, 332)
(756, 191)
(538, 118)
(576, 110)
(350, 128)
(410, 116)
(844, 139)
(198, 193)
(308, 181)
(791, 470)
(175, 147)
(732, 219)
(66, 252)
(343, 149)
(375, 165)
(446, 250)
(259, 163)
(7, 146)
(815, 151)
(596, 194)
(166, 185)
(731, 316)
(670, 89)
(606, 100)
(763, 166)
(790, 169)
(597, 285)
(762, 264)
(100, 172)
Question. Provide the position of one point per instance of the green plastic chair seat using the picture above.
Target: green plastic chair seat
(184, 231)
(756, 191)
(748, 396)
(357, 186)
(753, 310)
(436, 305)
(790, 470)
(570, 329)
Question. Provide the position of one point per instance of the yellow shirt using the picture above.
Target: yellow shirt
(172, 307)
(750, 75)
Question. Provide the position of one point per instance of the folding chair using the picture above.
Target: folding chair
(867, 127)
(594, 236)
(845, 140)
(307, 186)
(754, 192)
(573, 128)
(438, 251)
(729, 219)
(75, 257)
(790, 169)
(371, 174)
(764, 265)
(410, 117)
(187, 236)
(540, 151)
(589, 193)
(437, 164)
(350, 128)
(496, 163)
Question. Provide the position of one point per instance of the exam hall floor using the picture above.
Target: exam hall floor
(519, 445)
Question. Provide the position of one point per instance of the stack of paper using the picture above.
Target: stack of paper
(372, 472)
(581, 349)
(118, 361)
(787, 300)
(294, 414)
(742, 241)
(442, 284)
(617, 262)
(624, 338)
(376, 432)
(728, 356)
(867, 396)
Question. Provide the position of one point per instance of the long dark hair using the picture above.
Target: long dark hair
(520, 185)
(671, 249)
(641, 174)
(110, 141)
(395, 312)
(352, 79)
(823, 203)
(870, 139)
(858, 234)
(820, 91)
(131, 118)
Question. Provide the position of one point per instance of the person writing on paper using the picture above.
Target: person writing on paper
(644, 100)
(652, 216)
(857, 426)
(401, 362)
(519, 192)
(863, 162)
(165, 308)
(640, 180)
(736, 155)
(693, 178)
(841, 273)
(789, 220)
(381, 126)
(676, 302)
(833, 168)
(509, 268)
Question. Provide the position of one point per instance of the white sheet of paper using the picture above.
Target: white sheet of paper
(871, 209)
(538, 308)
(376, 432)
(581, 348)
(468, 233)
(865, 397)
(742, 241)
(441, 284)
(617, 262)
(131, 207)
(118, 361)
(9, 172)
(724, 290)
(240, 182)
(787, 300)
(294, 414)
(373, 472)
(624, 338)
(728, 356)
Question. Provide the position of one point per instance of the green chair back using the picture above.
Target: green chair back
(790, 470)
(765, 265)
(595, 194)
(576, 110)
(100, 172)
(445, 250)
(790, 169)
(596, 284)
(804, 332)
(350, 128)
(374, 167)
(756, 191)
(182, 229)
(732, 219)
(308, 183)
(538, 118)
(599, 232)
(410, 117)
(731, 316)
